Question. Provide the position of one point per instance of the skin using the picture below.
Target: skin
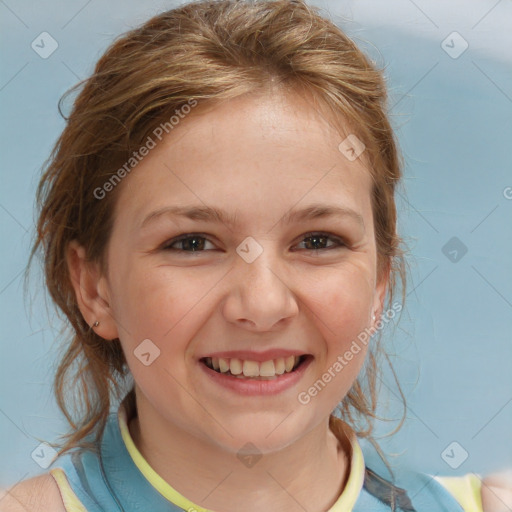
(259, 157)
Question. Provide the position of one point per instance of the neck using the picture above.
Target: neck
(309, 474)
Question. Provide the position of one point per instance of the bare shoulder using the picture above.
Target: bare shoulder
(36, 494)
(497, 492)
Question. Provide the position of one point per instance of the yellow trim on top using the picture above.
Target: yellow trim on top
(69, 498)
(151, 475)
(355, 481)
(344, 503)
(467, 490)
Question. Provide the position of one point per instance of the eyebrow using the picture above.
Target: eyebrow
(216, 215)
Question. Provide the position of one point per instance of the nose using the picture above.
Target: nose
(260, 293)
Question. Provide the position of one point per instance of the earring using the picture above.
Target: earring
(373, 317)
(96, 324)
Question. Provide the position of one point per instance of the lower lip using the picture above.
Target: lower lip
(253, 387)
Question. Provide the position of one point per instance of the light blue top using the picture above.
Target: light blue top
(116, 478)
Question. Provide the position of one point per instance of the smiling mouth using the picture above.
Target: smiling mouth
(246, 369)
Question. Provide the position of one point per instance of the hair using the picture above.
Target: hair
(208, 52)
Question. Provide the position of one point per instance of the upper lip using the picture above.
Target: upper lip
(248, 355)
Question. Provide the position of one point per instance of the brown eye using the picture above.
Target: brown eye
(318, 241)
(187, 243)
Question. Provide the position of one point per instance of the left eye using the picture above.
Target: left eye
(196, 243)
(321, 239)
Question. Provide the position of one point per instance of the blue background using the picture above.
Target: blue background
(453, 350)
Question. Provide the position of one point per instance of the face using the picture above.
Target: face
(266, 283)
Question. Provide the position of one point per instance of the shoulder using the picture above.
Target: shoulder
(490, 494)
(497, 492)
(36, 494)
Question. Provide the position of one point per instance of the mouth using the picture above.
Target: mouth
(254, 370)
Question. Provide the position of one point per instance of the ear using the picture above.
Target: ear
(380, 292)
(92, 292)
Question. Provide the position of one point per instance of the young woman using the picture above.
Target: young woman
(218, 225)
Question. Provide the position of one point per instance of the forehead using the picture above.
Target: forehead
(257, 155)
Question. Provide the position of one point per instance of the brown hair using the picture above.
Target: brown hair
(210, 52)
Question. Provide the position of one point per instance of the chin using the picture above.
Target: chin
(267, 432)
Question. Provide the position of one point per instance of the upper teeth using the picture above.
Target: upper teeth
(250, 368)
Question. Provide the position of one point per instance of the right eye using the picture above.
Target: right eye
(190, 242)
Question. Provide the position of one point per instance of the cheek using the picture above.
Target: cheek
(151, 311)
(343, 297)
(341, 304)
(148, 303)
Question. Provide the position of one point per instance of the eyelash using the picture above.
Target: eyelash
(340, 242)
